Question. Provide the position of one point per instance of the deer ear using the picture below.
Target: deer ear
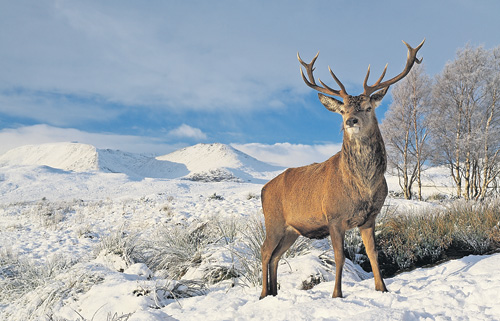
(376, 98)
(331, 103)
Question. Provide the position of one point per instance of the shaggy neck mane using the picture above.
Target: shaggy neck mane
(364, 157)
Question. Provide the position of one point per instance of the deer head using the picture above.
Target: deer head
(357, 111)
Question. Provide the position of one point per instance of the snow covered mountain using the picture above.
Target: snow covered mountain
(86, 158)
(202, 162)
(217, 162)
(65, 156)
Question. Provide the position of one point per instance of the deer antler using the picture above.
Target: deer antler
(412, 58)
(312, 83)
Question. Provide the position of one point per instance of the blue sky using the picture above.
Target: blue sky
(153, 76)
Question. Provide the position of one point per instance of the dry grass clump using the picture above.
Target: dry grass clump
(409, 238)
(19, 276)
(175, 249)
(414, 239)
(477, 226)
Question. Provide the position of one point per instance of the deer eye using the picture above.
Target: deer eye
(368, 109)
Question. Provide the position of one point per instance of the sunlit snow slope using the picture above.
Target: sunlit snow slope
(212, 162)
(202, 162)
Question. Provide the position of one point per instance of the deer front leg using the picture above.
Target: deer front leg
(368, 236)
(337, 236)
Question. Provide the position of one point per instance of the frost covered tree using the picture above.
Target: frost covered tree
(406, 131)
(465, 120)
(491, 133)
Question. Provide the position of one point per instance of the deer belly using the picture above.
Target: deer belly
(312, 228)
(318, 234)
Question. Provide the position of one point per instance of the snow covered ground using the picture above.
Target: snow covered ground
(59, 203)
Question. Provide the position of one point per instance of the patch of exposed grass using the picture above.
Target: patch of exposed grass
(408, 240)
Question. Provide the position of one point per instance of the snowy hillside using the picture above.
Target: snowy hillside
(65, 156)
(213, 162)
(86, 158)
(89, 234)
(202, 162)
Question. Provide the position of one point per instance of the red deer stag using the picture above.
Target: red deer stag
(344, 192)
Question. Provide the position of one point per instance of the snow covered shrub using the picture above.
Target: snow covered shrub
(218, 273)
(214, 175)
(19, 276)
(117, 249)
(85, 231)
(50, 213)
(52, 293)
(228, 228)
(175, 249)
(251, 195)
(396, 194)
(414, 237)
(167, 210)
(216, 197)
(163, 291)
(249, 257)
(476, 225)
(437, 197)
(302, 246)
(354, 247)
(312, 281)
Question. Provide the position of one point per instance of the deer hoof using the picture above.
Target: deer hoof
(337, 294)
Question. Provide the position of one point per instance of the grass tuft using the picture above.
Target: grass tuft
(410, 240)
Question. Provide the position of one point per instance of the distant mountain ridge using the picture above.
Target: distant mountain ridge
(212, 162)
(202, 162)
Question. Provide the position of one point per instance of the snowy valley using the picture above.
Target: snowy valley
(92, 234)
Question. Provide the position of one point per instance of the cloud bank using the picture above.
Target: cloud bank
(289, 155)
(198, 55)
(41, 134)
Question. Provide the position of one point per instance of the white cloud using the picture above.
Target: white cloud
(186, 131)
(40, 134)
(180, 56)
(55, 109)
(289, 155)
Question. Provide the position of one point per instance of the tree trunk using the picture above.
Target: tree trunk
(467, 176)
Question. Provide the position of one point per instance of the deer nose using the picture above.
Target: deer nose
(351, 122)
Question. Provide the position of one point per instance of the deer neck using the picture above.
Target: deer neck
(363, 158)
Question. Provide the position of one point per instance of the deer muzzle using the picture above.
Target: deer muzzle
(352, 125)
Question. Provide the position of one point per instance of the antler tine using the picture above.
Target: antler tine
(309, 68)
(411, 59)
(378, 80)
(342, 88)
(366, 77)
(382, 76)
(312, 83)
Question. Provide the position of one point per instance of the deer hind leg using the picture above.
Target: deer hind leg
(337, 236)
(273, 238)
(368, 236)
(284, 244)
